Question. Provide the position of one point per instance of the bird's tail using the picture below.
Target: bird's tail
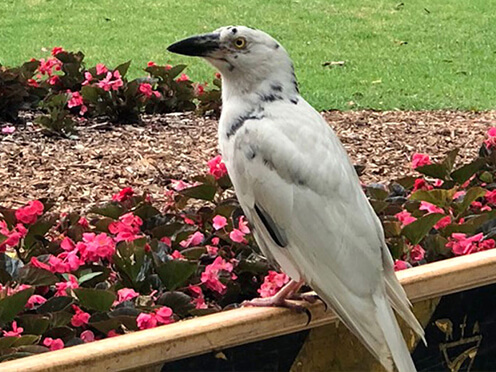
(392, 334)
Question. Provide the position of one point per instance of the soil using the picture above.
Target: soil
(78, 173)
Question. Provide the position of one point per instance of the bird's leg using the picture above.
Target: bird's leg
(280, 299)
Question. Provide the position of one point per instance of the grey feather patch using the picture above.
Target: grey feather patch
(276, 233)
(240, 120)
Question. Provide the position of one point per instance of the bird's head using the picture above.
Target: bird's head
(244, 56)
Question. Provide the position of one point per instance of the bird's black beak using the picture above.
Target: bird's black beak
(197, 46)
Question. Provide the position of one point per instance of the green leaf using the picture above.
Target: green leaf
(36, 276)
(9, 267)
(176, 70)
(378, 205)
(122, 68)
(38, 230)
(166, 230)
(486, 177)
(434, 170)
(95, 299)
(391, 228)
(472, 194)
(194, 253)
(377, 193)
(34, 324)
(87, 277)
(60, 319)
(406, 182)
(6, 342)
(112, 209)
(90, 93)
(12, 305)
(132, 262)
(146, 211)
(54, 304)
(26, 340)
(203, 192)
(175, 273)
(179, 302)
(464, 173)
(440, 197)
(449, 160)
(418, 229)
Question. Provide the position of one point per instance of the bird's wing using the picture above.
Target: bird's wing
(303, 197)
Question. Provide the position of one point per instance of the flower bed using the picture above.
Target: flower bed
(131, 264)
(67, 92)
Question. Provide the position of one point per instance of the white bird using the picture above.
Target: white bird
(300, 192)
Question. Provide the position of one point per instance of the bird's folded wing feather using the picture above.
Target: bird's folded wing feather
(293, 168)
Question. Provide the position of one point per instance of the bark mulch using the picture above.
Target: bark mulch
(77, 173)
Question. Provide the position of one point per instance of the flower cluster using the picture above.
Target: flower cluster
(130, 265)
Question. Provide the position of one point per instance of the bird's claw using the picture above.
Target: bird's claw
(309, 297)
(273, 302)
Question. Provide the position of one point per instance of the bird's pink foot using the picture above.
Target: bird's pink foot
(274, 301)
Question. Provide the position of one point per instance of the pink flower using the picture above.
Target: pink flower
(126, 294)
(88, 77)
(168, 67)
(461, 245)
(80, 318)
(219, 222)
(210, 277)
(405, 218)
(16, 331)
(431, 208)
(76, 100)
(211, 250)
(166, 240)
(491, 196)
(146, 321)
(491, 140)
(419, 160)
(215, 241)
(443, 222)
(123, 195)
(101, 69)
(199, 89)
(179, 185)
(420, 184)
(438, 183)
(151, 64)
(217, 168)
(127, 228)
(47, 66)
(487, 244)
(217, 75)
(29, 214)
(164, 315)
(96, 247)
(67, 244)
(237, 236)
(107, 83)
(198, 298)
(147, 90)
(243, 225)
(53, 344)
(54, 80)
(183, 77)
(417, 253)
(35, 300)
(8, 130)
(84, 223)
(57, 50)
(177, 255)
(87, 336)
(193, 240)
(273, 282)
(112, 333)
(41, 265)
(400, 265)
(62, 287)
(459, 194)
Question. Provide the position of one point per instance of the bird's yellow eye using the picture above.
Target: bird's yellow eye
(240, 42)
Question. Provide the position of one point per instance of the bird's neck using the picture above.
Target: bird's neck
(256, 90)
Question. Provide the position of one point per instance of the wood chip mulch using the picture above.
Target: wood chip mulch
(77, 173)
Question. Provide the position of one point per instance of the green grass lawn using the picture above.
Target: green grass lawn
(424, 54)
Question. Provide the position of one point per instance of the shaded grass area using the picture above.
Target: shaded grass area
(415, 54)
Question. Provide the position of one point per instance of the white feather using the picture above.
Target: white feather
(284, 159)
